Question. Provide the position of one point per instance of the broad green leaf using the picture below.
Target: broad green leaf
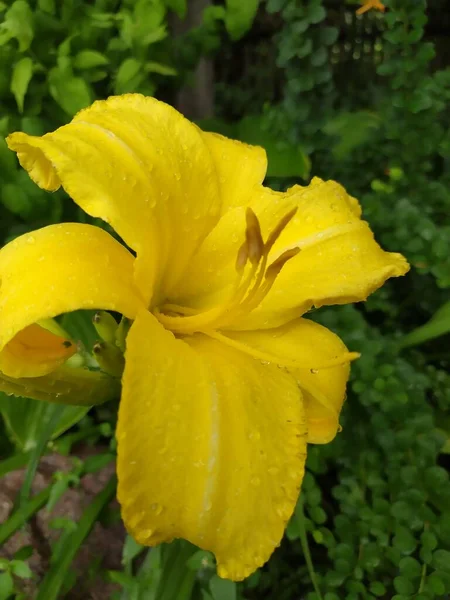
(441, 560)
(18, 23)
(285, 160)
(16, 200)
(352, 129)
(7, 166)
(71, 93)
(6, 585)
(154, 67)
(21, 569)
(438, 325)
(129, 76)
(23, 419)
(21, 77)
(178, 6)
(47, 6)
(89, 59)
(239, 16)
(222, 589)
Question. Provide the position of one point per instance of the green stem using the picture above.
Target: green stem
(422, 579)
(300, 518)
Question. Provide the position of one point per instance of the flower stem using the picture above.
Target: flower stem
(300, 517)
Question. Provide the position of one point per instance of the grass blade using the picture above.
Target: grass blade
(56, 576)
(22, 514)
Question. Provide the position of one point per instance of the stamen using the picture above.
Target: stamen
(274, 269)
(275, 233)
(244, 296)
(254, 238)
(242, 257)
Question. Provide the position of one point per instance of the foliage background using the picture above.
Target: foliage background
(359, 99)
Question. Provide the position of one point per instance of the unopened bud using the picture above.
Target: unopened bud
(105, 325)
(109, 358)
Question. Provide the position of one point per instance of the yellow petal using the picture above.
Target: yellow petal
(142, 167)
(37, 348)
(54, 270)
(240, 167)
(339, 260)
(211, 447)
(312, 346)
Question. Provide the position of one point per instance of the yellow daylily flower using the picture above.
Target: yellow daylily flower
(225, 382)
(369, 4)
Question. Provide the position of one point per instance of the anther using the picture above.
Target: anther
(253, 237)
(280, 227)
(274, 269)
(242, 257)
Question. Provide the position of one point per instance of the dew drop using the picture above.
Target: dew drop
(156, 508)
(255, 481)
(146, 533)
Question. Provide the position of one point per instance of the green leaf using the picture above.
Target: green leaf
(154, 67)
(14, 198)
(410, 567)
(71, 93)
(438, 325)
(131, 549)
(6, 585)
(89, 59)
(80, 327)
(222, 589)
(316, 12)
(202, 559)
(128, 76)
(16, 461)
(178, 6)
(18, 23)
(47, 6)
(403, 585)
(352, 129)
(441, 560)
(377, 588)
(21, 77)
(436, 584)
(53, 581)
(239, 16)
(284, 160)
(404, 540)
(20, 516)
(23, 418)
(21, 569)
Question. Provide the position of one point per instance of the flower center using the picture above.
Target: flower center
(254, 280)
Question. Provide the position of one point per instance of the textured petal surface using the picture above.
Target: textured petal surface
(339, 261)
(241, 168)
(312, 345)
(142, 167)
(38, 349)
(59, 269)
(211, 447)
